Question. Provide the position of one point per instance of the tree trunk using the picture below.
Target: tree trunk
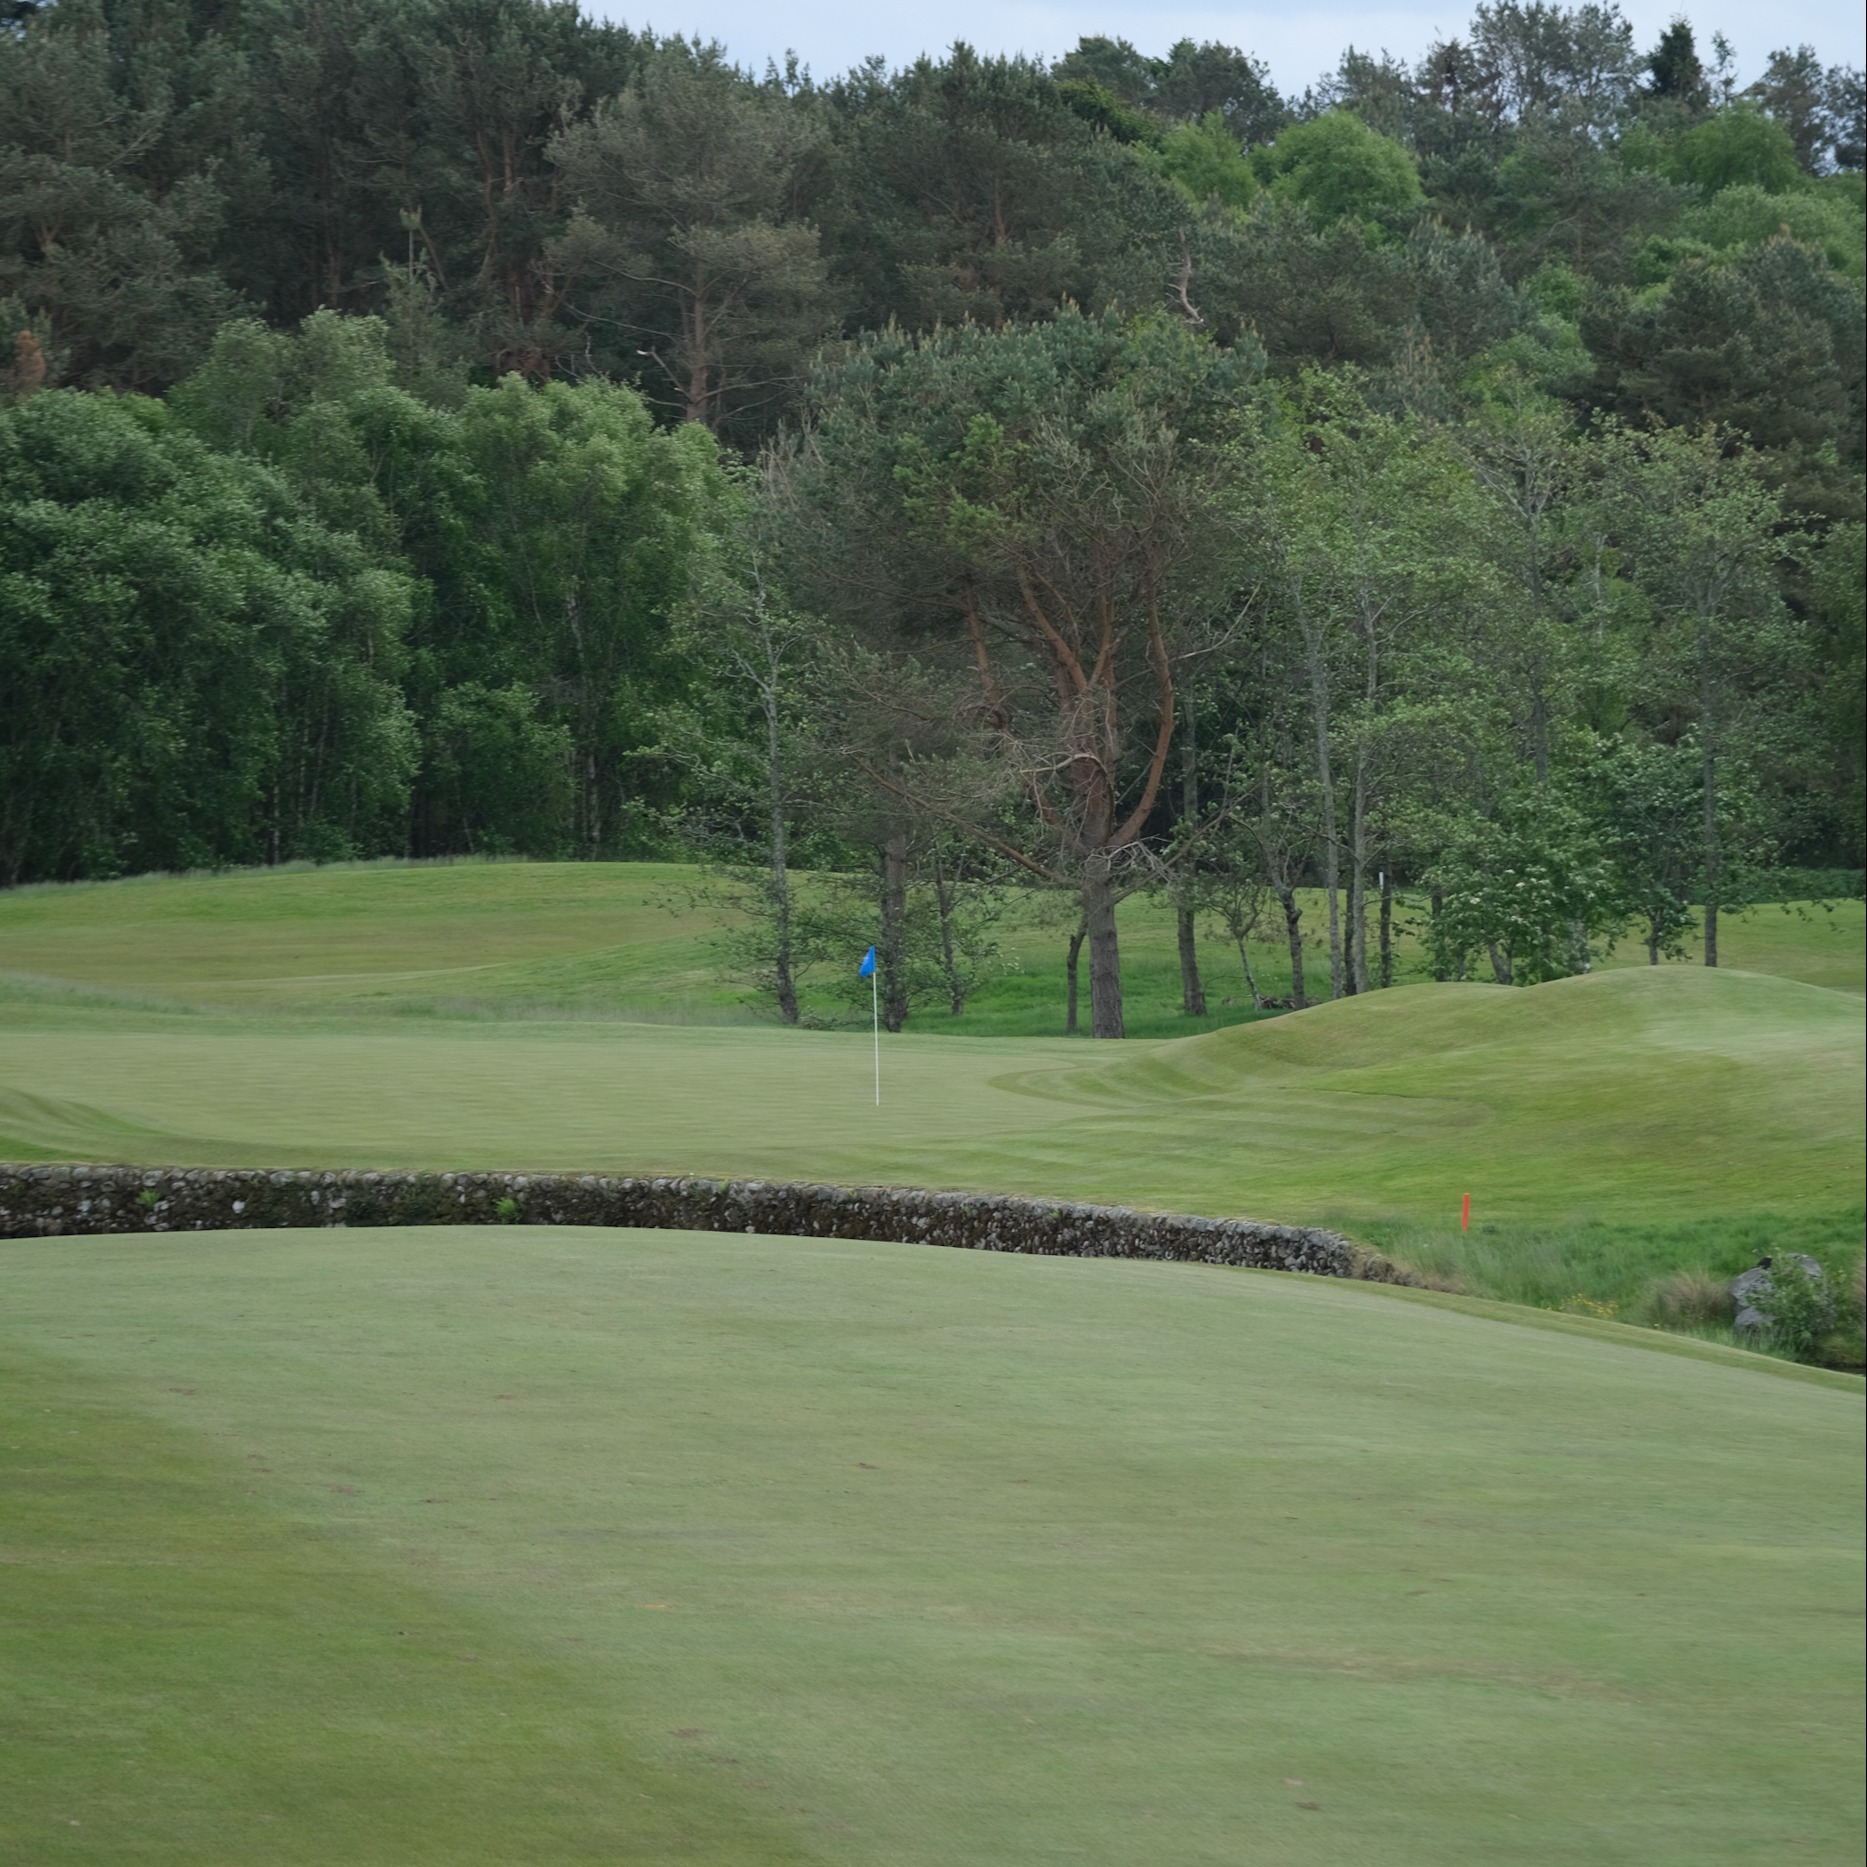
(1500, 963)
(1076, 949)
(1708, 765)
(783, 982)
(1580, 959)
(943, 901)
(1192, 988)
(1098, 892)
(1293, 915)
(1358, 879)
(1325, 782)
(893, 956)
(699, 362)
(1251, 984)
(1387, 930)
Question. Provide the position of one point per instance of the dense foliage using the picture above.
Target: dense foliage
(1451, 475)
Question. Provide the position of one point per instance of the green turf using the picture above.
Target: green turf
(539, 1547)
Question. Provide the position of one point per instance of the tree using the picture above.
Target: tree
(414, 133)
(110, 199)
(898, 773)
(498, 80)
(1768, 340)
(1703, 534)
(1113, 66)
(197, 670)
(1649, 796)
(1565, 194)
(1354, 528)
(688, 185)
(1530, 888)
(1819, 219)
(1544, 549)
(1547, 61)
(1339, 169)
(1847, 112)
(755, 646)
(971, 189)
(1793, 91)
(1037, 506)
(1739, 147)
(1309, 294)
(1676, 72)
(1203, 159)
(553, 529)
(591, 516)
(1196, 81)
(1838, 622)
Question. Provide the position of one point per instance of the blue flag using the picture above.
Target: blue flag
(867, 969)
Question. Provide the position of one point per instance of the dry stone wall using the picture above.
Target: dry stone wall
(44, 1202)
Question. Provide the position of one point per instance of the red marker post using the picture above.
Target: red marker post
(1465, 1214)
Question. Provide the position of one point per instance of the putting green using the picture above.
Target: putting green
(562, 1016)
(1624, 1095)
(550, 1546)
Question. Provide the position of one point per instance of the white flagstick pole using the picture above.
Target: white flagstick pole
(875, 1009)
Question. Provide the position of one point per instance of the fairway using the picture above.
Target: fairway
(496, 1546)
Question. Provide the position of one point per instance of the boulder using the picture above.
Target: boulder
(1752, 1290)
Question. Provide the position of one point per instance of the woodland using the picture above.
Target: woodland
(458, 427)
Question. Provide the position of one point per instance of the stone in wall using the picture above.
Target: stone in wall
(44, 1201)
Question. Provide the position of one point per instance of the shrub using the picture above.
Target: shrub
(1801, 1309)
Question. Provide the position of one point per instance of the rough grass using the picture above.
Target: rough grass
(541, 1547)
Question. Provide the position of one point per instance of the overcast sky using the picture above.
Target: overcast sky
(1299, 43)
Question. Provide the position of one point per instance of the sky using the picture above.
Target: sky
(1299, 43)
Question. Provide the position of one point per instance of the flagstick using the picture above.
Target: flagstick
(875, 1008)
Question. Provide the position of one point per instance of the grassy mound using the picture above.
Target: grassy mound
(519, 1546)
(1640, 1092)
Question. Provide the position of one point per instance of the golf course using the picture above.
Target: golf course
(528, 1544)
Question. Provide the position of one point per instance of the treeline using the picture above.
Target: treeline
(293, 611)
(435, 426)
(519, 188)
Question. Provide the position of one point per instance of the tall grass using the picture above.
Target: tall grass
(1674, 1276)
